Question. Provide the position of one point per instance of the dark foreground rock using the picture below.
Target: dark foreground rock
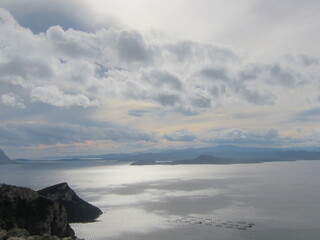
(22, 234)
(24, 208)
(77, 209)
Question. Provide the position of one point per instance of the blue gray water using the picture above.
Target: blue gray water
(249, 201)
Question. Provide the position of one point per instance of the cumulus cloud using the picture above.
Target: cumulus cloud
(268, 137)
(215, 74)
(10, 100)
(167, 99)
(131, 47)
(126, 64)
(180, 136)
(163, 79)
(52, 95)
(303, 59)
(89, 67)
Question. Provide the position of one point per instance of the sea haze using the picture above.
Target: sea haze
(277, 200)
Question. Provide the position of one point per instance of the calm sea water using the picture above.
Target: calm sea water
(249, 201)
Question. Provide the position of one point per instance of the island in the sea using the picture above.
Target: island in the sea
(202, 159)
(210, 159)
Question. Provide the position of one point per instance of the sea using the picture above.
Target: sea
(263, 201)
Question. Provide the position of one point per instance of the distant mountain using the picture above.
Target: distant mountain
(242, 154)
(239, 156)
(4, 159)
(221, 151)
(202, 159)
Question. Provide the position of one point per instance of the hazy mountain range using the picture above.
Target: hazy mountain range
(249, 154)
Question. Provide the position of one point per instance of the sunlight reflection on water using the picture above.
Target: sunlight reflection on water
(139, 201)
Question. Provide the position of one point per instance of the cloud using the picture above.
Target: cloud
(303, 59)
(180, 136)
(167, 99)
(51, 134)
(63, 69)
(268, 137)
(52, 95)
(310, 115)
(39, 16)
(10, 100)
(254, 96)
(163, 79)
(183, 51)
(214, 74)
(127, 64)
(131, 47)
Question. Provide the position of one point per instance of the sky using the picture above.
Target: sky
(91, 77)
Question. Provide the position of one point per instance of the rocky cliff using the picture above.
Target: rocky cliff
(22, 234)
(77, 209)
(4, 159)
(26, 209)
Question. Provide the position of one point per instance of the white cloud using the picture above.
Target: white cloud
(68, 68)
(10, 100)
(265, 137)
(180, 136)
(185, 76)
(52, 95)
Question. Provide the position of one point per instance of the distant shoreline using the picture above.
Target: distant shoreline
(210, 160)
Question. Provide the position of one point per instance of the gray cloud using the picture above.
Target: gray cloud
(167, 99)
(163, 78)
(217, 91)
(256, 97)
(303, 59)
(269, 137)
(186, 50)
(131, 47)
(137, 112)
(51, 134)
(39, 15)
(201, 102)
(118, 63)
(52, 95)
(180, 136)
(45, 76)
(69, 45)
(252, 72)
(215, 74)
(25, 67)
(312, 115)
(182, 50)
(278, 75)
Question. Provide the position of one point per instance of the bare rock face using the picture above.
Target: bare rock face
(24, 208)
(4, 159)
(77, 209)
(22, 234)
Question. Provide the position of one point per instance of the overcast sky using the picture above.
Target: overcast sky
(91, 76)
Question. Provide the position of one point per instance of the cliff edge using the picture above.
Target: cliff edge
(24, 208)
(77, 209)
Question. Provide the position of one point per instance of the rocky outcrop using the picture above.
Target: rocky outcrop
(4, 159)
(22, 234)
(26, 209)
(77, 209)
